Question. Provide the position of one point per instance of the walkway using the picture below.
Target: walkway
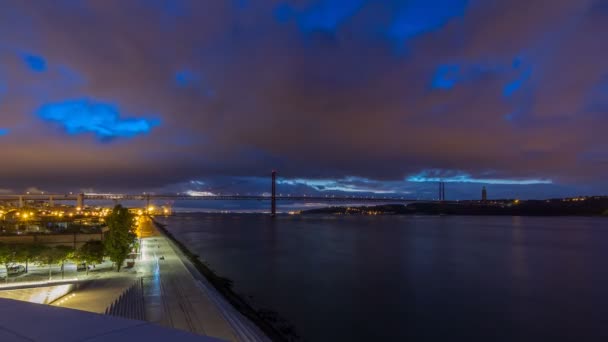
(172, 296)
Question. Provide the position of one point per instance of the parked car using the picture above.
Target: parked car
(15, 270)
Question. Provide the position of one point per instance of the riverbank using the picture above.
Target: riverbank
(224, 287)
(558, 207)
(172, 296)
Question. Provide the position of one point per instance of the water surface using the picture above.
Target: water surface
(418, 278)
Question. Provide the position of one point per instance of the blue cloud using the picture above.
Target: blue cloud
(515, 85)
(186, 78)
(449, 75)
(346, 184)
(462, 177)
(405, 20)
(324, 15)
(446, 77)
(421, 16)
(86, 116)
(329, 14)
(35, 63)
(3, 131)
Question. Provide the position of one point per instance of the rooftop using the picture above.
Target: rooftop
(27, 322)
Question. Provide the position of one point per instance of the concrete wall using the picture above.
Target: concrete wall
(51, 240)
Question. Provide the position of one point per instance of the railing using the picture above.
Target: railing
(130, 304)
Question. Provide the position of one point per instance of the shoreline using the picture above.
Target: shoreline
(224, 287)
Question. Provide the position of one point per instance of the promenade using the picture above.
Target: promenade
(173, 297)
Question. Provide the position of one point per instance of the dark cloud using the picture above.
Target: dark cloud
(327, 89)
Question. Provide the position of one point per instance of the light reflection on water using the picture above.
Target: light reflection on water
(421, 278)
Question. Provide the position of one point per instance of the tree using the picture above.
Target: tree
(7, 256)
(120, 235)
(50, 256)
(28, 253)
(64, 254)
(92, 252)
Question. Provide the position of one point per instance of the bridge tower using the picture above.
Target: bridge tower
(21, 202)
(273, 199)
(51, 201)
(80, 201)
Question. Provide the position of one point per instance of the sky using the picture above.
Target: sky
(383, 97)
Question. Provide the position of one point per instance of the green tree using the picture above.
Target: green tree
(64, 254)
(28, 253)
(92, 252)
(50, 256)
(7, 256)
(120, 236)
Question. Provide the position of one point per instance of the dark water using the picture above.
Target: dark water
(389, 278)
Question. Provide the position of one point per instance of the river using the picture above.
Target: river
(417, 278)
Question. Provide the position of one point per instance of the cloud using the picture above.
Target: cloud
(320, 89)
(102, 119)
(422, 16)
(35, 63)
(186, 78)
(347, 184)
(461, 177)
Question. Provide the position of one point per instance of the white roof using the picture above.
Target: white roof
(26, 322)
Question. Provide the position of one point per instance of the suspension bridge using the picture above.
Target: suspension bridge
(272, 197)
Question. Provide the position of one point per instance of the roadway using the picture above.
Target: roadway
(172, 296)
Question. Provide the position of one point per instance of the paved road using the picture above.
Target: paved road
(172, 296)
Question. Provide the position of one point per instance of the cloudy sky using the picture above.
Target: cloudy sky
(362, 96)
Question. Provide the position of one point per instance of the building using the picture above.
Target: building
(484, 194)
